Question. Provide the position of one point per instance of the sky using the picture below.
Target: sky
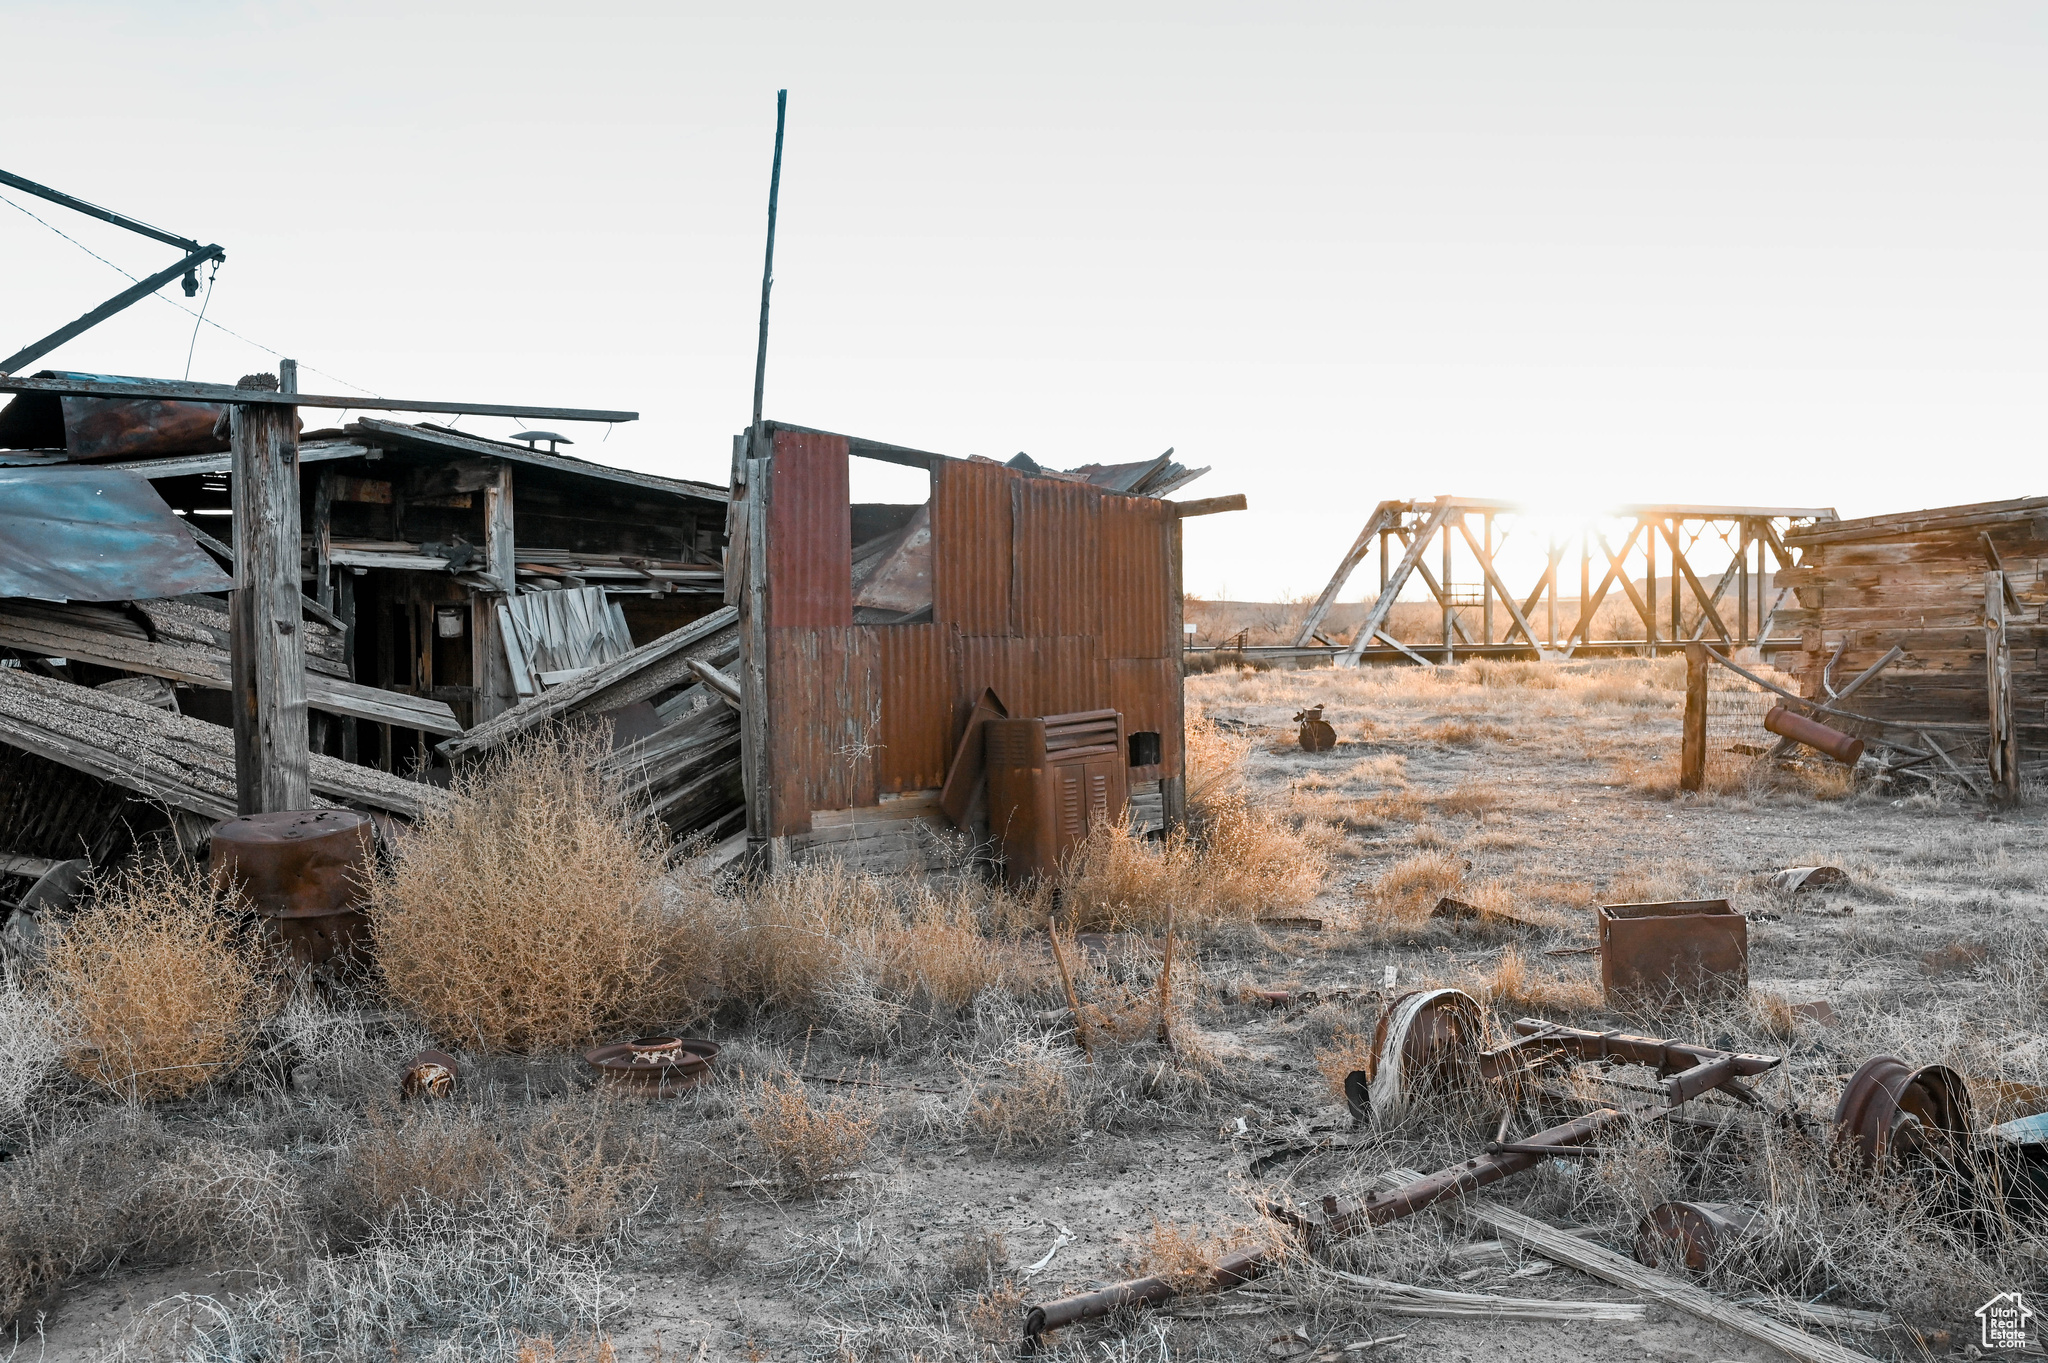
(1576, 254)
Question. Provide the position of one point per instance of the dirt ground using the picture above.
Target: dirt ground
(1539, 800)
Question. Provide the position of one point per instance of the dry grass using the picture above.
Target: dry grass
(28, 1047)
(1034, 1105)
(1513, 983)
(1405, 892)
(1347, 1051)
(158, 985)
(430, 1155)
(805, 1144)
(529, 911)
(1460, 733)
(1469, 798)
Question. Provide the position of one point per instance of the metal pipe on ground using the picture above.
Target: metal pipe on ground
(1836, 744)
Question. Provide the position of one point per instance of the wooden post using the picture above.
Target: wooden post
(754, 608)
(1450, 611)
(490, 669)
(2005, 740)
(1550, 607)
(1692, 753)
(1649, 611)
(1742, 585)
(267, 643)
(345, 607)
(1486, 585)
(323, 539)
(1585, 629)
(1173, 790)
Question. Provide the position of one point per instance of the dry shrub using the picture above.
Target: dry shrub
(1214, 759)
(1406, 891)
(993, 1317)
(1461, 733)
(528, 911)
(429, 1155)
(1240, 861)
(1182, 1255)
(161, 989)
(86, 1199)
(1513, 982)
(1347, 1051)
(238, 1207)
(806, 1144)
(979, 1259)
(28, 1047)
(1392, 807)
(1470, 798)
(585, 1166)
(577, 1348)
(1033, 1106)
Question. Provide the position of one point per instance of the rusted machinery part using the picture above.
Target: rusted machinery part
(432, 1074)
(1316, 735)
(1890, 1111)
(1692, 1234)
(305, 872)
(56, 888)
(1427, 1040)
(1844, 748)
(660, 1065)
(1233, 1269)
(1685, 1070)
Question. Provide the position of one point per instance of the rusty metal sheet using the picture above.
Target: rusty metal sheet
(135, 428)
(972, 549)
(1137, 578)
(810, 533)
(1007, 666)
(824, 722)
(305, 872)
(83, 534)
(1072, 674)
(1059, 585)
(918, 675)
(1148, 692)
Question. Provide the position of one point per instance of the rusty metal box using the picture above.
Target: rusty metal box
(1050, 780)
(1653, 953)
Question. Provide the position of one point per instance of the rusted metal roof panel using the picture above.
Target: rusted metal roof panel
(972, 547)
(1147, 691)
(1136, 536)
(810, 533)
(1005, 665)
(919, 681)
(1059, 584)
(824, 722)
(85, 534)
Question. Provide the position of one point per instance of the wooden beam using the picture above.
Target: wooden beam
(1678, 561)
(756, 778)
(1569, 1250)
(1493, 580)
(1209, 506)
(2004, 747)
(1692, 754)
(186, 465)
(490, 661)
(1377, 616)
(1382, 517)
(268, 650)
(175, 391)
(323, 540)
(1645, 612)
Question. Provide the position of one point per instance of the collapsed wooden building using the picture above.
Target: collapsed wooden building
(1945, 605)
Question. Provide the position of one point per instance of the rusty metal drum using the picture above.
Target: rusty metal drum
(304, 874)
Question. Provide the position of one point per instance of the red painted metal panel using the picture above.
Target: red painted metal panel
(810, 532)
(972, 547)
(1137, 578)
(1147, 691)
(919, 679)
(1059, 561)
(824, 722)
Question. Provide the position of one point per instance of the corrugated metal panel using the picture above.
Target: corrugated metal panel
(810, 533)
(824, 722)
(972, 547)
(919, 678)
(1072, 675)
(1137, 578)
(1059, 560)
(1007, 666)
(1148, 692)
(84, 534)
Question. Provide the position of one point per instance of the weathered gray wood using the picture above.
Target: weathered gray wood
(185, 465)
(2004, 748)
(1209, 506)
(268, 649)
(1568, 1249)
(755, 605)
(1375, 524)
(490, 662)
(722, 686)
(220, 392)
(1376, 618)
(1507, 598)
(323, 540)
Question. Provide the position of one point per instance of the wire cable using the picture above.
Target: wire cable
(211, 275)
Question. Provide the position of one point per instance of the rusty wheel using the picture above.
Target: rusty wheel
(1426, 1041)
(1889, 1111)
(1316, 734)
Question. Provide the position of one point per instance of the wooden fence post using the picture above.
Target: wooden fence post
(1692, 755)
(267, 640)
(2004, 754)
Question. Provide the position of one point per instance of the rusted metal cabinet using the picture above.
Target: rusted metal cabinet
(1050, 780)
(1654, 953)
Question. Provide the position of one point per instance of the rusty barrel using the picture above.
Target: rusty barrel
(1814, 734)
(303, 872)
(1693, 1233)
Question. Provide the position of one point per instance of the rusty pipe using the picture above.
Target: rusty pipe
(1814, 734)
(1231, 1270)
(1668, 1057)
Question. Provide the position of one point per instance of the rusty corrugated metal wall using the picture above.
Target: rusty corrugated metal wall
(1056, 595)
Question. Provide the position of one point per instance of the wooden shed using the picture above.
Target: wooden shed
(1959, 590)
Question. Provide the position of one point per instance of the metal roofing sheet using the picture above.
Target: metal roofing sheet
(810, 532)
(86, 534)
(1059, 586)
(971, 547)
(1137, 578)
(920, 685)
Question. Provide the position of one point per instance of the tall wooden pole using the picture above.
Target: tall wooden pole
(267, 640)
(768, 275)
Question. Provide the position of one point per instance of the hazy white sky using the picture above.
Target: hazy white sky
(1758, 253)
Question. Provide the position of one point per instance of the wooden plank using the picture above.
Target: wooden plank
(268, 652)
(490, 661)
(377, 558)
(187, 465)
(1573, 1252)
(2004, 754)
(1493, 579)
(1381, 518)
(1208, 506)
(219, 392)
(754, 607)
(1953, 518)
